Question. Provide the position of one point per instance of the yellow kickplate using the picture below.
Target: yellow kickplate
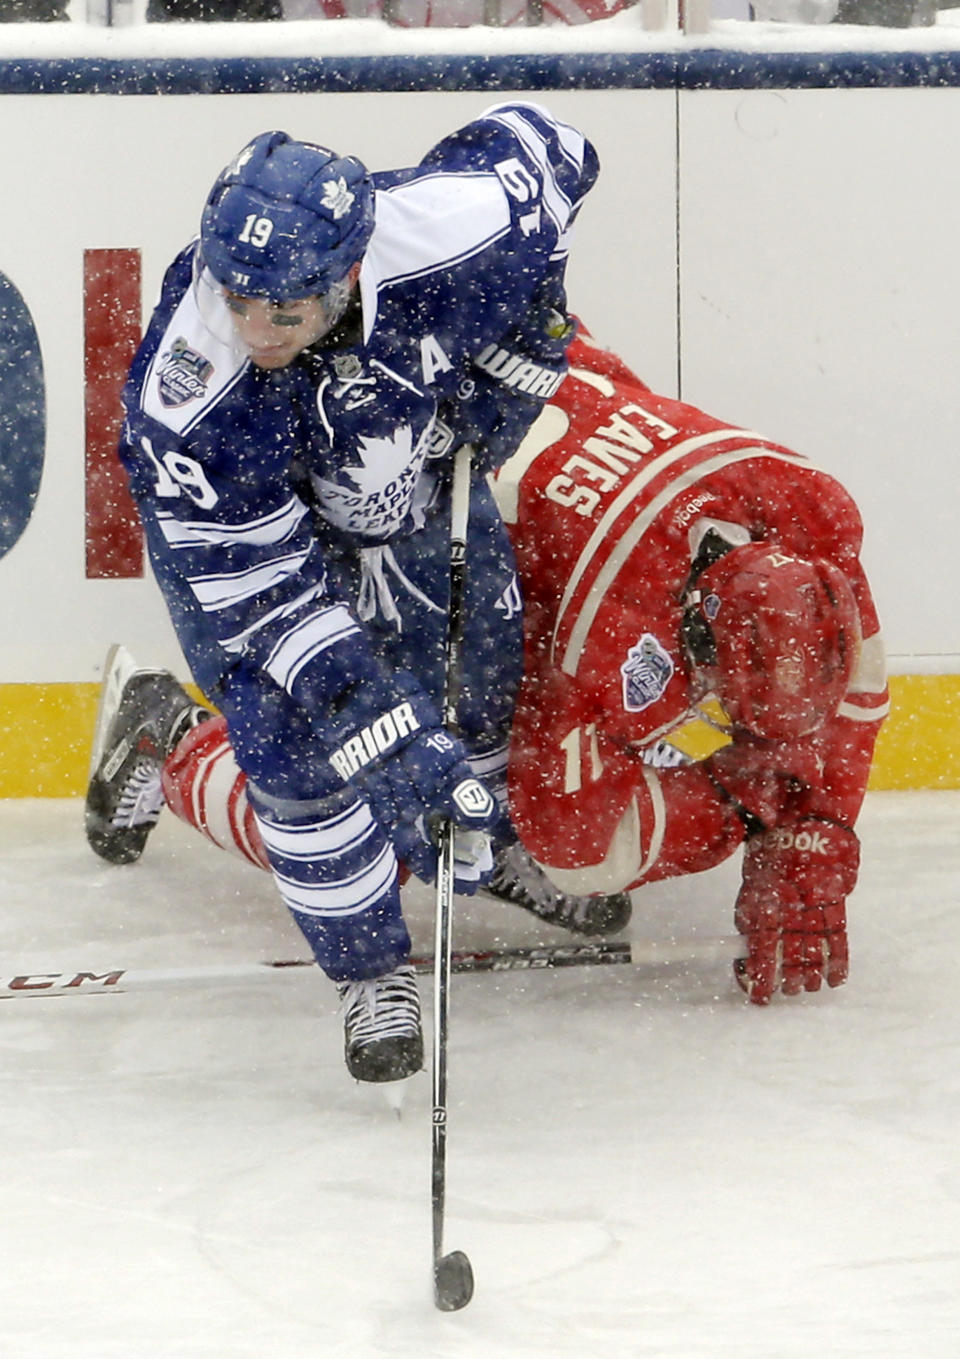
(46, 730)
(919, 744)
(45, 734)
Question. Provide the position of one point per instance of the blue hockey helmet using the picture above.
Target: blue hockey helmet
(286, 219)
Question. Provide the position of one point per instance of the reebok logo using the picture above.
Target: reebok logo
(371, 742)
(806, 842)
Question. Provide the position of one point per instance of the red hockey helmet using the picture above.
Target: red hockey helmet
(775, 637)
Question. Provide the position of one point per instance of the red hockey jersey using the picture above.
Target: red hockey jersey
(607, 498)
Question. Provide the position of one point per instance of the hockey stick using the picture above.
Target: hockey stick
(452, 1273)
(119, 980)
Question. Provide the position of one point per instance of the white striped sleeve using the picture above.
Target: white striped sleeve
(269, 530)
(225, 590)
(307, 639)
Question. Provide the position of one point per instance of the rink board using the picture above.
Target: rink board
(732, 252)
(45, 733)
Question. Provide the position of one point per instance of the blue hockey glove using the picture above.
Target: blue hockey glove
(411, 771)
(508, 381)
(472, 853)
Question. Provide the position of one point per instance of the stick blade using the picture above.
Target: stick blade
(452, 1281)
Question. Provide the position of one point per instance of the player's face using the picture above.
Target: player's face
(274, 333)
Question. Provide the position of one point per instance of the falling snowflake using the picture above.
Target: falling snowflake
(337, 197)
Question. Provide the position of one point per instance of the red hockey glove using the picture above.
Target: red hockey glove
(791, 908)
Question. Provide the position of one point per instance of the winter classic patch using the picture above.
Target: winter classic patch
(646, 673)
(183, 374)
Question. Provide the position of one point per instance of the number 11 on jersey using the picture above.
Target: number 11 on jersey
(580, 746)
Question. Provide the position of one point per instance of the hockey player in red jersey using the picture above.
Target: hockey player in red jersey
(703, 665)
(703, 670)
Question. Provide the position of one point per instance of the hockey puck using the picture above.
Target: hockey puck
(452, 1281)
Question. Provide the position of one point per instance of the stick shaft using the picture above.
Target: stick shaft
(442, 964)
(442, 961)
(102, 981)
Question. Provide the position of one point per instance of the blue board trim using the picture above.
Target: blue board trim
(696, 69)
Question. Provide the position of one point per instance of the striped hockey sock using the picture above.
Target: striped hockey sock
(205, 787)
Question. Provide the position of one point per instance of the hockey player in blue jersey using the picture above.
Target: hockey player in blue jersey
(314, 359)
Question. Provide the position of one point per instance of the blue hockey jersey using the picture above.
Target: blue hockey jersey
(250, 480)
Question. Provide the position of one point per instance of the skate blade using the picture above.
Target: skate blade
(395, 1096)
(118, 666)
(382, 1096)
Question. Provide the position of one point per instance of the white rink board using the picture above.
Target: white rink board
(821, 304)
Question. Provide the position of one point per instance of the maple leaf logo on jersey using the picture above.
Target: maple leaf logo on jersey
(383, 461)
(239, 161)
(384, 480)
(337, 197)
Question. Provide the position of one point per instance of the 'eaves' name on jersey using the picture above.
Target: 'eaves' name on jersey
(606, 498)
(235, 463)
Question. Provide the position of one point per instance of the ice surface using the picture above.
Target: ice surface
(639, 1163)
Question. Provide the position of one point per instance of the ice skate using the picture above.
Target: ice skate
(383, 1040)
(141, 717)
(518, 879)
